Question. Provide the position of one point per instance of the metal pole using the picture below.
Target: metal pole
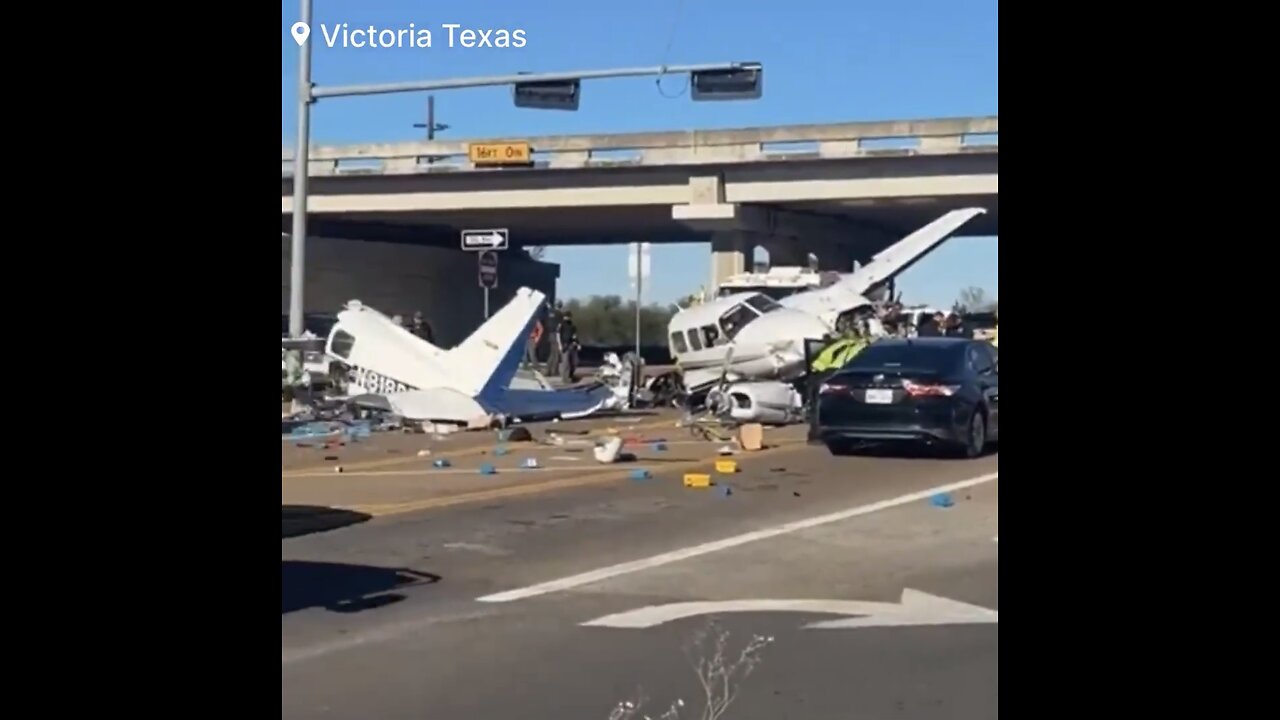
(301, 158)
(455, 83)
(639, 293)
(486, 303)
(431, 117)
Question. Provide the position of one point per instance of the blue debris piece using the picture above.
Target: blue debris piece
(659, 446)
(942, 500)
(441, 463)
(487, 469)
(500, 450)
(640, 474)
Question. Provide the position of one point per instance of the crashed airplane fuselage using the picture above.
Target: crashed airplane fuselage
(391, 369)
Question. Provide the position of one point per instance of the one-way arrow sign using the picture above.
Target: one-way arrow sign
(916, 608)
(493, 239)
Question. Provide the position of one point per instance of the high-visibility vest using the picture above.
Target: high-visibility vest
(995, 336)
(837, 354)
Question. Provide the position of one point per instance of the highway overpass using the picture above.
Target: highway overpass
(840, 191)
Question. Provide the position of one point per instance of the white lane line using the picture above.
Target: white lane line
(731, 542)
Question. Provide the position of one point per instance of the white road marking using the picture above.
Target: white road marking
(916, 608)
(605, 573)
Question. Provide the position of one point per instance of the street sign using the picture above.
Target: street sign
(488, 269)
(481, 240)
(496, 154)
(916, 608)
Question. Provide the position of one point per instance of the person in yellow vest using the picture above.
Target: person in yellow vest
(839, 350)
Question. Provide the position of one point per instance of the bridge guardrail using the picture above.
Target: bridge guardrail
(695, 147)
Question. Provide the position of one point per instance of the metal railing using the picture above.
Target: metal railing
(695, 147)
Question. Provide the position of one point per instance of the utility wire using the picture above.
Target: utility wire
(677, 16)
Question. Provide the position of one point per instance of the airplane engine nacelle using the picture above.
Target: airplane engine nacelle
(768, 403)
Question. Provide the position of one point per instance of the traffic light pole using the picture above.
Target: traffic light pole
(308, 93)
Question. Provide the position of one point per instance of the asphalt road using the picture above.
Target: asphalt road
(384, 618)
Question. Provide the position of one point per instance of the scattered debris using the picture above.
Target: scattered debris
(726, 450)
(500, 451)
(337, 468)
(487, 469)
(515, 434)
(726, 467)
(751, 436)
(330, 457)
(608, 451)
(424, 453)
(724, 490)
(566, 457)
(697, 480)
(530, 463)
(660, 446)
(441, 463)
(640, 474)
(942, 500)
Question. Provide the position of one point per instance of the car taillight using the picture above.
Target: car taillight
(826, 389)
(921, 390)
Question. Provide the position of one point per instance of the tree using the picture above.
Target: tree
(608, 320)
(974, 299)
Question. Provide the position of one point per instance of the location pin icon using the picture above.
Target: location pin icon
(300, 32)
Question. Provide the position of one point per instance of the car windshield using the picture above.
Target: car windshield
(939, 358)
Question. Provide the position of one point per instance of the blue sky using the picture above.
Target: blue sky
(824, 61)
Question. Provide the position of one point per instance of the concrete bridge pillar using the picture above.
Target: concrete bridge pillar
(731, 253)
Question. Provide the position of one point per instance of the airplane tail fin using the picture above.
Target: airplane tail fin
(487, 361)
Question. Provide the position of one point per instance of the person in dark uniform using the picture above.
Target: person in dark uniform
(568, 334)
(555, 353)
(422, 328)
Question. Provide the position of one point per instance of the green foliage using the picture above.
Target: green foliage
(974, 299)
(608, 320)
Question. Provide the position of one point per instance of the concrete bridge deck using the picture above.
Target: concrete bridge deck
(894, 138)
(879, 179)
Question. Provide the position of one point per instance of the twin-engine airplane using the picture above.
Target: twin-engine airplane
(392, 369)
(749, 337)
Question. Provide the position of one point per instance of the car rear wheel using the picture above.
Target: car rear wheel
(976, 435)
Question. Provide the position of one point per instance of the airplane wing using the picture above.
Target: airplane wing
(529, 405)
(852, 288)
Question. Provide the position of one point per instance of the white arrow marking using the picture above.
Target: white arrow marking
(916, 608)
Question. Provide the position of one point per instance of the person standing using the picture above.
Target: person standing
(553, 327)
(568, 334)
(422, 328)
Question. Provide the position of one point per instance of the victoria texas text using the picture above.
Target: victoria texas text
(413, 37)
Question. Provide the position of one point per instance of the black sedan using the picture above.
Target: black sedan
(936, 390)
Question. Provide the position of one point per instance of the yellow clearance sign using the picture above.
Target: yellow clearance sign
(512, 153)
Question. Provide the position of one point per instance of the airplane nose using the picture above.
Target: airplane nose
(795, 325)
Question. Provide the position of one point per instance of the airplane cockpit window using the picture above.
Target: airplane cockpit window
(733, 321)
(695, 339)
(678, 345)
(763, 303)
(341, 344)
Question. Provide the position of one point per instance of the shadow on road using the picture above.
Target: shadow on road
(298, 520)
(343, 588)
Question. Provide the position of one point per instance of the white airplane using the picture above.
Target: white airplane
(738, 340)
(392, 369)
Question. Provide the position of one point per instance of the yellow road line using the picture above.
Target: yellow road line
(466, 451)
(594, 478)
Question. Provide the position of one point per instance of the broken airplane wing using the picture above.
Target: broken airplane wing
(851, 289)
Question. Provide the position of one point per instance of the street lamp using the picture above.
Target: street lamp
(558, 91)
